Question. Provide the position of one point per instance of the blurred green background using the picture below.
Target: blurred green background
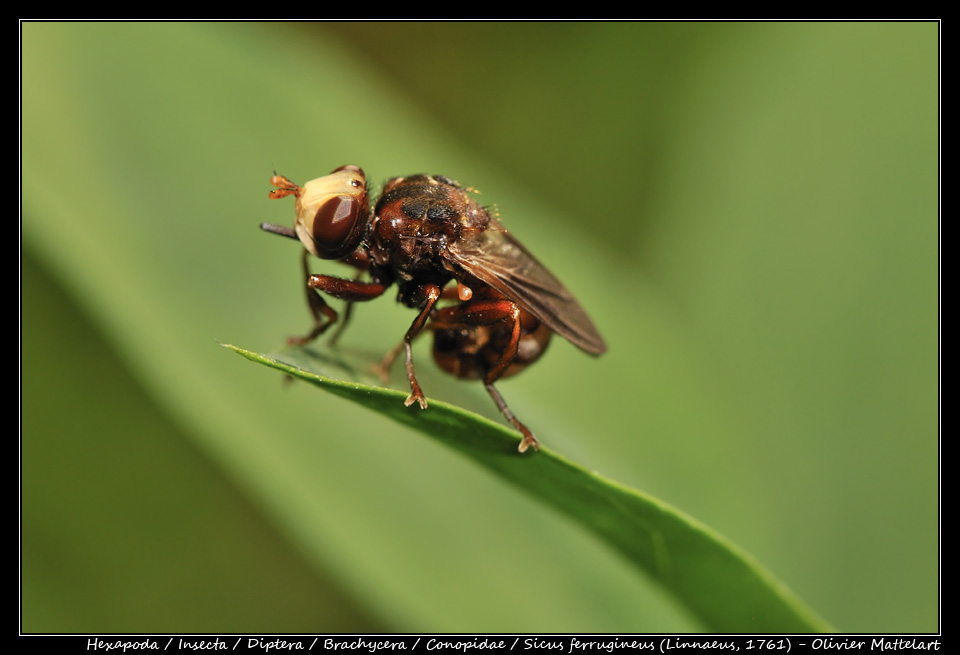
(749, 212)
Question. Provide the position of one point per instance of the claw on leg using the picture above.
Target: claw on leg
(528, 439)
(416, 397)
(416, 394)
(430, 294)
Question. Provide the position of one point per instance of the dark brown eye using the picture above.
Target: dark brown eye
(332, 212)
(334, 222)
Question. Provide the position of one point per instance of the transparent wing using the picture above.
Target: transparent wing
(493, 256)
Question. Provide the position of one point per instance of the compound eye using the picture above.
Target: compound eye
(334, 222)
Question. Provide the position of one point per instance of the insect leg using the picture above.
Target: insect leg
(360, 261)
(483, 312)
(349, 290)
(383, 368)
(432, 293)
(318, 308)
(500, 314)
(528, 438)
(347, 311)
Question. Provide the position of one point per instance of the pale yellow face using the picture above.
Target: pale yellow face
(328, 209)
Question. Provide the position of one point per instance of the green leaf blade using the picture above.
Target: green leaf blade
(716, 580)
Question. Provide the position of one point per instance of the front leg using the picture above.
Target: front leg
(360, 260)
(318, 308)
(323, 315)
